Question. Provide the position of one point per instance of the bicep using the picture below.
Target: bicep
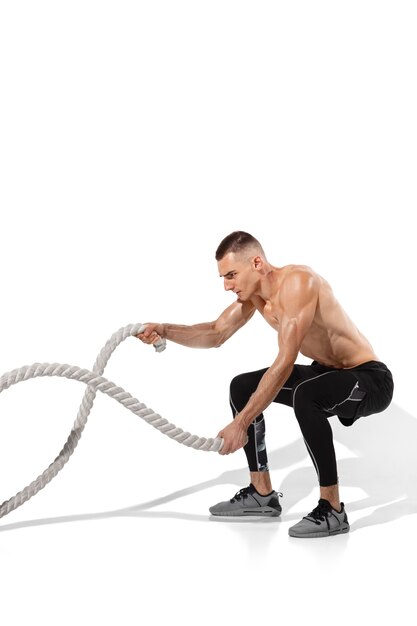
(233, 318)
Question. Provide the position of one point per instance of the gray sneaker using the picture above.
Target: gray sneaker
(323, 521)
(247, 502)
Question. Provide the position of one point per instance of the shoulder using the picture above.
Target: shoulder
(299, 289)
(299, 277)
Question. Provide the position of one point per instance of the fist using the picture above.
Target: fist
(150, 335)
(234, 437)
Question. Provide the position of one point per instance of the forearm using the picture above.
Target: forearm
(267, 390)
(194, 336)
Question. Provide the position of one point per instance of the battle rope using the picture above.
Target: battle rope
(95, 382)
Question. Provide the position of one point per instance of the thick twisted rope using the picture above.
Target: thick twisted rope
(95, 382)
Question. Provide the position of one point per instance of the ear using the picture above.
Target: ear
(257, 262)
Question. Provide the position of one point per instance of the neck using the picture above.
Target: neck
(268, 282)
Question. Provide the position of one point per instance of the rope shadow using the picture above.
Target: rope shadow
(385, 468)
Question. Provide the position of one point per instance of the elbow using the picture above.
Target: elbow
(220, 339)
(219, 342)
(217, 336)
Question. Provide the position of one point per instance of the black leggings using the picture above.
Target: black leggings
(316, 392)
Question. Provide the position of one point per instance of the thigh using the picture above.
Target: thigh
(298, 374)
(332, 392)
(247, 383)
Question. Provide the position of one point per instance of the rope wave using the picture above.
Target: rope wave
(95, 381)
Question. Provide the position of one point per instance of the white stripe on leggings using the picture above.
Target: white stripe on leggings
(293, 402)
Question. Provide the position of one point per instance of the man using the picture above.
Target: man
(345, 377)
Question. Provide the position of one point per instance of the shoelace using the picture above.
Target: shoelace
(319, 514)
(243, 493)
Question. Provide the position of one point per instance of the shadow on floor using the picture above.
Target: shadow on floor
(384, 466)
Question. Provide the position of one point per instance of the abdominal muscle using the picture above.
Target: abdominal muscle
(340, 352)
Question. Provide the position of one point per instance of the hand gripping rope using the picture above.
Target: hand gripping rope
(95, 382)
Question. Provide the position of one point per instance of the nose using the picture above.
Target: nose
(228, 284)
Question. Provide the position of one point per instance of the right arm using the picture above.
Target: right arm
(206, 335)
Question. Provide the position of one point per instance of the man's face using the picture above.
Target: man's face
(239, 275)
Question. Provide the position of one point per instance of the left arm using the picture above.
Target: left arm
(298, 301)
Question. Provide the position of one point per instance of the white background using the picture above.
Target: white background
(133, 137)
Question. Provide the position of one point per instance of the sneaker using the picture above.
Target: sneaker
(323, 521)
(247, 502)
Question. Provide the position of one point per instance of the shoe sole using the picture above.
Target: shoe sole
(264, 511)
(323, 533)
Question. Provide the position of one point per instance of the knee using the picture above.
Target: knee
(236, 385)
(303, 401)
(237, 380)
(239, 391)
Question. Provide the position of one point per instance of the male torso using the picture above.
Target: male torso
(332, 338)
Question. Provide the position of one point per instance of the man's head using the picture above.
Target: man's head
(241, 262)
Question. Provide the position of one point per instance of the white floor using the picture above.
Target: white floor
(145, 545)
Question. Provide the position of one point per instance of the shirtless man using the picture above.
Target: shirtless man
(345, 377)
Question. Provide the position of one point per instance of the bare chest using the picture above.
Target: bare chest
(273, 318)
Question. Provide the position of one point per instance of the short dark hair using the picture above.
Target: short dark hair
(235, 242)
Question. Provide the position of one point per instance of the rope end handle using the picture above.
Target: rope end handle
(219, 443)
(160, 345)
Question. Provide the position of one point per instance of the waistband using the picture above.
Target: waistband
(368, 365)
